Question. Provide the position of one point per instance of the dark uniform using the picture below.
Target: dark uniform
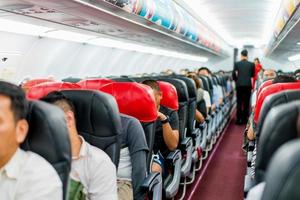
(242, 73)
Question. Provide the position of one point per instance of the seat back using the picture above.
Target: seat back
(41, 90)
(273, 101)
(262, 86)
(94, 84)
(183, 100)
(48, 136)
(34, 82)
(272, 89)
(169, 95)
(98, 120)
(71, 80)
(283, 180)
(280, 127)
(136, 100)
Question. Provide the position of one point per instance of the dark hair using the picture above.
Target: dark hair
(284, 79)
(257, 59)
(204, 68)
(297, 72)
(244, 53)
(196, 80)
(152, 83)
(56, 97)
(19, 103)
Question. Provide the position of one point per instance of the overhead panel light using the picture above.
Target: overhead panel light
(298, 43)
(67, 35)
(294, 58)
(21, 28)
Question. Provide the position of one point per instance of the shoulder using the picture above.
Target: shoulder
(97, 155)
(127, 120)
(40, 171)
(165, 110)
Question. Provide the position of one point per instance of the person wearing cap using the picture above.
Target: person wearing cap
(242, 73)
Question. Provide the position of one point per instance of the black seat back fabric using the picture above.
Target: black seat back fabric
(280, 126)
(71, 80)
(283, 174)
(48, 136)
(275, 100)
(149, 129)
(183, 99)
(98, 120)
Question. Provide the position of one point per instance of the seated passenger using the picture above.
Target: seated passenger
(23, 174)
(200, 98)
(297, 74)
(132, 168)
(167, 134)
(217, 91)
(93, 175)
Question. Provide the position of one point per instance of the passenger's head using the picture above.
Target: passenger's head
(256, 61)
(269, 74)
(204, 71)
(156, 90)
(284, 79)
(13, 123)
(60, 100)
(196, 80)
(244, 54)
(169, 72)
(297, 74)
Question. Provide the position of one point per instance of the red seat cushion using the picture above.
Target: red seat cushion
(133, 99)
(272, 89)
(169, 95)
(43, 89)
(94, 84)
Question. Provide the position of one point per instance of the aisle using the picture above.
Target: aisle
(224, 176)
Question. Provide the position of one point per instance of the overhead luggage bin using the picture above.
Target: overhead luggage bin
(104, 19)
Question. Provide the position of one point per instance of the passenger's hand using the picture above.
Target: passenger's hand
(161, 116)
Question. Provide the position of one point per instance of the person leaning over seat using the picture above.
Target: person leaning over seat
(93, 175)
(24, 175)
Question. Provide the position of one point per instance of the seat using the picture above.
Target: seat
(95, 84)
(48, 136)
(262, 86)
(34, 82)
(280, 126)
(272, 89)
(275, 100)
(137, 100)
(71, 80)
(41, 90)
(283, 180)
(99, 120)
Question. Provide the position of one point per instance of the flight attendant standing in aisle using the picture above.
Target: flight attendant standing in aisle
(242, 73)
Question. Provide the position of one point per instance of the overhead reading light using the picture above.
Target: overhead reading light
(29, 29)
(298, 43)
(294, 58)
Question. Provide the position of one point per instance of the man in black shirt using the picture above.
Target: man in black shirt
(242, 73)
(166, 135)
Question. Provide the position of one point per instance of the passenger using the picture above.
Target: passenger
(200, 98)
(93, 175)
(166, 132)
(258, 69)
(24, 175)
(217, 91)
(297, 74)
(242, 73)
(134, 150)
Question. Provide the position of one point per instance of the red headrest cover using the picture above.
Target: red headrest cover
(169, 95)
(133, 99)
(94, 84)
(43, 89)
(262, 86)
(34, 82)
(272, 89)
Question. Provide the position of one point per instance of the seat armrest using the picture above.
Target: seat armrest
(187, 146)
(153, 184)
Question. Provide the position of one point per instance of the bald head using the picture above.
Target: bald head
(269, 74)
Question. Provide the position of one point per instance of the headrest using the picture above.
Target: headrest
(280, 127)
(48, 136)
(71, 79)
(134, 99)
(41, 90)
(192, 90)
(272, 89)
(98, 120)
(275, 100)
(94, 84)
(169, 95)
(34, 82)
(262, 86)
(283, 180)
(181, 88)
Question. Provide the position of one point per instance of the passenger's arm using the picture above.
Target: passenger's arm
(199, 117)
(171, 137)
(139, 172)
